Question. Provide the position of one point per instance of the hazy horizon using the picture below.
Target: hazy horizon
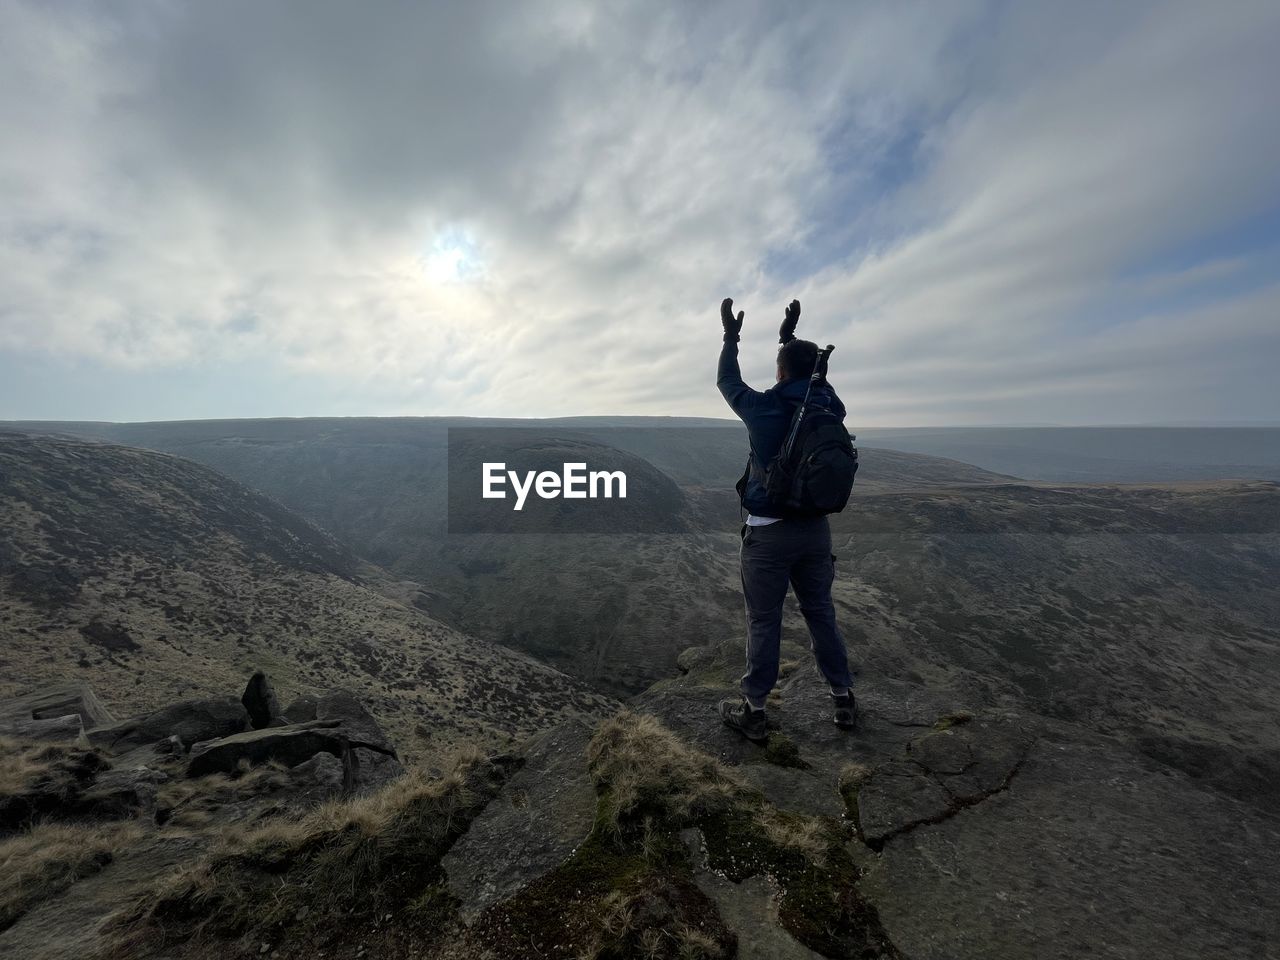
(999, 213)
(1012, 425)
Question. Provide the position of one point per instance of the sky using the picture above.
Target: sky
(1016, 212)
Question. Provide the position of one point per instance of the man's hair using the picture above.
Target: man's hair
(797, 357)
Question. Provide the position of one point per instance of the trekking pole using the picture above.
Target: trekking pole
(819, 371)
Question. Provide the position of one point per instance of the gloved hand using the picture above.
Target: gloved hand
(732, 325)
(787, 332)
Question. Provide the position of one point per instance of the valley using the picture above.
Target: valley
(1066, 691)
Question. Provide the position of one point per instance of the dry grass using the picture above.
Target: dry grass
(25, 763)
(647, 776)
(20, 764)
(694, 944)
(379, 851)
(852, 777)
(643, 769)
(806, 836)
(191, 803)
(47, 859)
(625, 929)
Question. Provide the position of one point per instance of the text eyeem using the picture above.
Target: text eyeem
(572, 483)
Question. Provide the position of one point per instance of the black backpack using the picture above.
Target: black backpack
(812, 474)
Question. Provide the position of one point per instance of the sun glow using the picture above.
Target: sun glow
(452, 256)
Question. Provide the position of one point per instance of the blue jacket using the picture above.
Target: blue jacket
(768, 417)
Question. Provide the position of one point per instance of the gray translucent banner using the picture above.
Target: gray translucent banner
(535, 480)
(680, 480)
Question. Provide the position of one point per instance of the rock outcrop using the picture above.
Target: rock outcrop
(997, 834)
(538, 819)
(56, 713)
(933, 831)
(191, 721)
(97, 767)
(169, 781)
(363, 763)
(259, 699)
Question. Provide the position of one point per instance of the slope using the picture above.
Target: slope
(613, 608)
(153, 577)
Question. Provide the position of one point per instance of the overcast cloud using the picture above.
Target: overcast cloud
(1017, 212)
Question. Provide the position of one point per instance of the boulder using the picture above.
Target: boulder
(191, 721)
(342, 728)
(158, 755)
(51, 703)
(289, 746)
(121, 791)
(301, 710)
(259, 700)
(375, 756)
(320, 778)
(543, 812)
(52, 729)
(356, 721)
(294, 745)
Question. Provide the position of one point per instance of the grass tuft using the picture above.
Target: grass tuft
(630, 889)
(191, 803)
(25, 765)
(344, 863)
(642, 769)
(781, 751)
(45, 860)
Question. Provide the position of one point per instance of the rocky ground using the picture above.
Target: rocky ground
(1003, 834)
(234, 827)
(96, 811)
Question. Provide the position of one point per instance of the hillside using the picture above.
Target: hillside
(1142, 611)
(154, 577)
(1101, 454)
(614, 609)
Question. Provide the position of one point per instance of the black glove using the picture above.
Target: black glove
(787, 332)
(732, 325)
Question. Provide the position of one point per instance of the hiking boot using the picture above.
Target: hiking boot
(846, 712)
(739, 715)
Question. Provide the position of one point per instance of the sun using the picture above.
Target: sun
(451, 256)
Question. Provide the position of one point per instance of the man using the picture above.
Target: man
(778, 550)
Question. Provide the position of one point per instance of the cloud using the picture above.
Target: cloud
(999, 212)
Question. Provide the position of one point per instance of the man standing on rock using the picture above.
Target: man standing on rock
(777, 549)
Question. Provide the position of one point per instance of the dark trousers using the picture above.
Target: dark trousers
(795, 552)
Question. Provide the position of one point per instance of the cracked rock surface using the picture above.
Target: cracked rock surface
(1005, 835)
(1087, 853)
(939, 774)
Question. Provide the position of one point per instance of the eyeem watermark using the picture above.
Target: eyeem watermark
(544, 478)
(573, 482)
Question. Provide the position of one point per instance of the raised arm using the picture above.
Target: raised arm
(741, 398)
